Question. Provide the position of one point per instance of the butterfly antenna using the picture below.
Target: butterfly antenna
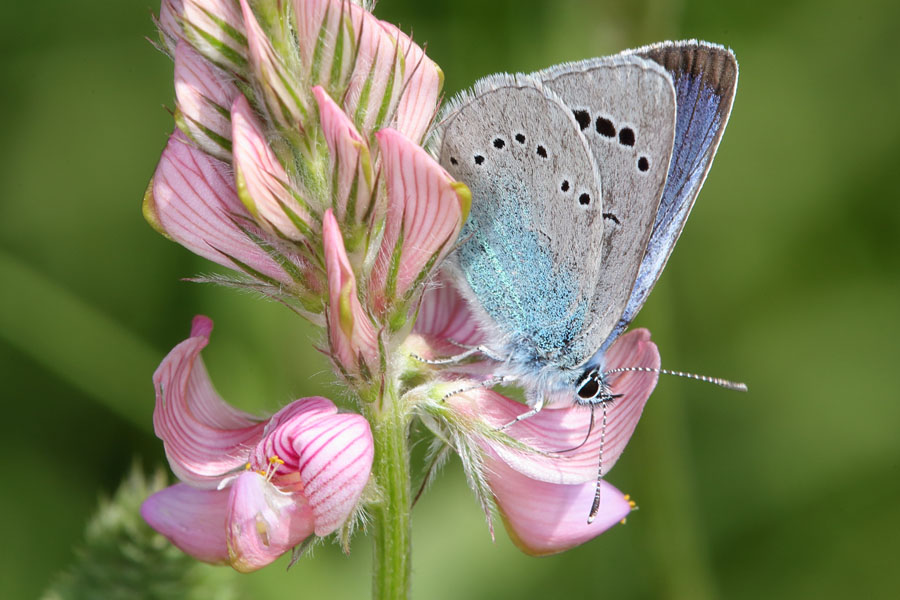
(595, 507)
(729, 385)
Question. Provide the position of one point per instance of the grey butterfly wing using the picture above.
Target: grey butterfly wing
(625, 107)
(705, 79)
(530, 250)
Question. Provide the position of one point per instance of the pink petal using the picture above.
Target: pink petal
(331, 452)
(263, 184)
(545, 518)
(192, 519)
(327, 31)
(353, 338)
(425, 205)
(382, 77)
(377, 79)
(204, 97)
(204, 437)
(444, 315)
(220, 20)
(351, 165)
(556, 429)
(283, 425)
(335, 461)
(422, 82)
(263, 522)
(169, 23)
(283, 100)
(192, 200)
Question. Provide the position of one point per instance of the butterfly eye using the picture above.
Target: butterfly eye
(589, 388)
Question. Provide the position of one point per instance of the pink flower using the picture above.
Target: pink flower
(353, 338)
(251, 489)
(542, 489)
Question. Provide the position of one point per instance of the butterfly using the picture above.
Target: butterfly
(582, 177)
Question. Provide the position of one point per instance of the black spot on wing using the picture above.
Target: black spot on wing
(605, 127)
(583, 118)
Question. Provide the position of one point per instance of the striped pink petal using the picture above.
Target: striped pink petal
(204, 95)
(544, 518)
(192, 200)
(556, 429)
(334, 461)
(282, 428)
(283, 100)
(327, 31)
(377, 80)
(421, 87)
(205, 438)
(381, 75)
(263, 522)
(169, 23)
(327, 457)
(445, 315)
(193, 519)
(354, 343)
(216, 29)
(425, 210)
(262, 183)
(351, 165)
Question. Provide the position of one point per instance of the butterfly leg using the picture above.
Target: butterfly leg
(535, 409)
(457, 358)
(486, 384)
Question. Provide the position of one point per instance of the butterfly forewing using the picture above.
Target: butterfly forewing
(529, 252)
(625, 106)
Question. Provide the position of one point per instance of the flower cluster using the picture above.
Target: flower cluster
(252, 489)
(296, 162)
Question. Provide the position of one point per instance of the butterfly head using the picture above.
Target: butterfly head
(592, 389)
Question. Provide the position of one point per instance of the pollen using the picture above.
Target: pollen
(271, 469)
(631, 503)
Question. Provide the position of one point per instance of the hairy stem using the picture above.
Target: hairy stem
(391, 527)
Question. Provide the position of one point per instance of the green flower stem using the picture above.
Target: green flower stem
(391, 527)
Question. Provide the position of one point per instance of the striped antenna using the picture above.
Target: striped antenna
(730, 385)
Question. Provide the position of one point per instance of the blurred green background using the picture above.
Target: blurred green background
(786, 278)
